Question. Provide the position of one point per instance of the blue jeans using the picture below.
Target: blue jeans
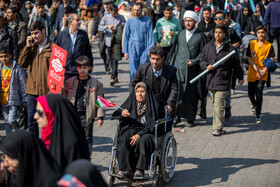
(31, 109)
(10, 116)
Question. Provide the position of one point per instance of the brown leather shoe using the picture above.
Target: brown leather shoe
(116, 80)
(112, 82)
(127, 175)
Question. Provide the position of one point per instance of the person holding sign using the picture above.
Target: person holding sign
(36, 57)
(218, 78)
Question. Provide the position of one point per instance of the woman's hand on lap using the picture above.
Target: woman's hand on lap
(134, 140)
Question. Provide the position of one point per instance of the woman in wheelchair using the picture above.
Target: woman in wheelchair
(136, 134)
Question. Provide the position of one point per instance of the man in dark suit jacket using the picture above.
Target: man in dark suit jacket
(162, 80)
(75, 41)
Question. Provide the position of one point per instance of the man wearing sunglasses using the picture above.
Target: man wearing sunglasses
(231, 35)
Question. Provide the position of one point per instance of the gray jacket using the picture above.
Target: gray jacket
(17, 94)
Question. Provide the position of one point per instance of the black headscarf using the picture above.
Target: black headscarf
(36, 165)
(68, 142)
(152, 113)
(86, 172)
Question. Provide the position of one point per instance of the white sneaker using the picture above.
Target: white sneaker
(253, 110)
(258, 120)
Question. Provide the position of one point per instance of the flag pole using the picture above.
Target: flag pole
(214, 65)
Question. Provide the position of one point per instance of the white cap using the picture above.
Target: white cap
(191, 14)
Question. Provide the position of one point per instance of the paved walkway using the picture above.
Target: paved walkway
(248, 155)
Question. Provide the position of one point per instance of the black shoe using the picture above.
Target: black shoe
(190, 124)
(176, 120)
(227, 112)
(139, 174)
(202, 115)
(126, 175)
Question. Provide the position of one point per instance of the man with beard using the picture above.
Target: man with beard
(185, 55)
(207, 24)
(166, 24)
(138, 39)
(36, 57)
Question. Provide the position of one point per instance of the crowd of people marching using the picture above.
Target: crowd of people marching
(167, 44)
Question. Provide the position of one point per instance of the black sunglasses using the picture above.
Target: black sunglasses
(218, 18)
(40, 112)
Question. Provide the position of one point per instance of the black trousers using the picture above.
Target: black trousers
(114, 69)
(272, 35)
(255, 93)
(136, 157)
(87, 129)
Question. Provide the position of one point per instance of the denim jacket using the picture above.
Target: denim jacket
(17, 94)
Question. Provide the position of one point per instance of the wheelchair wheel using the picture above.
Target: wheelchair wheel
(168, 157)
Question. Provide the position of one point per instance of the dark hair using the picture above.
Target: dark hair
(55, 1)
(219, 12)
(227, 14)
(223, 28)
(114, 8)
(13, 9)
(37, 25)
(40, 3)
(156, 50)
(168, 8)
(82, 61)
(139, 4)
(207, 8)
(261, 27)
(68, 10)
(4, 49)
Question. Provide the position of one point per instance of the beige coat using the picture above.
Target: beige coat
(94, 89)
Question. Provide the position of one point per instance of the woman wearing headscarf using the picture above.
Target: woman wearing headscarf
(245, 20)
(136, 136)
(258, 15)
(28, 162)
(125, 10)
(81, 173)
(61, 132)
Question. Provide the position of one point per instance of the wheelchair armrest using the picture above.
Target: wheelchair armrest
(160, 121)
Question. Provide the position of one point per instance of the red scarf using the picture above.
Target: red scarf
(47, 130)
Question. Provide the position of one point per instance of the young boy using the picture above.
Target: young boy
(82, 91)
(13, 82)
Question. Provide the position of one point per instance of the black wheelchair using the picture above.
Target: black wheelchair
(162, 163)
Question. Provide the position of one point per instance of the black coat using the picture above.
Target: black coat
(169, 83)
(9, 39)
(219, 78)
(82, 47)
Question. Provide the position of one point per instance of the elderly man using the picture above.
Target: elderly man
(138, 39)
(185, 56)
(75, 41)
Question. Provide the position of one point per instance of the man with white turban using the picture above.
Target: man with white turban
(185, 56)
